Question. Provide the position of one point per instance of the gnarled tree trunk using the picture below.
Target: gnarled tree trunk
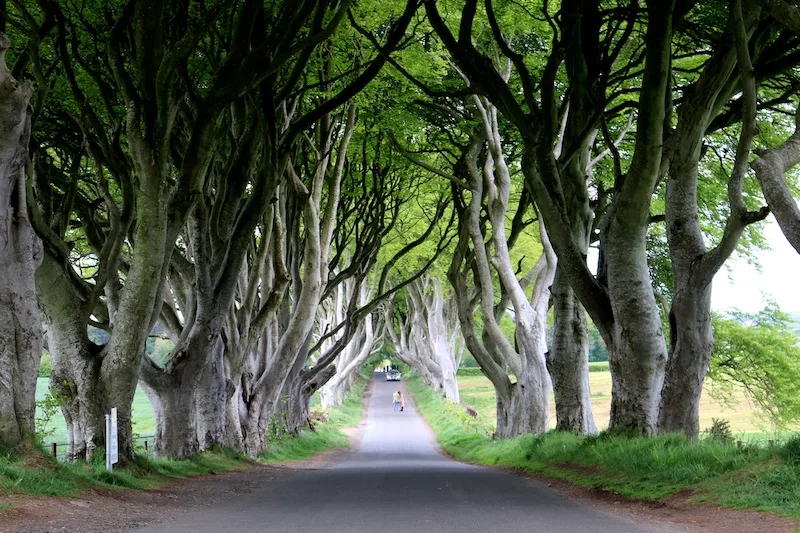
(75, 361)
(694, 266)
(189, 397)
(568, 361)
(20, 255)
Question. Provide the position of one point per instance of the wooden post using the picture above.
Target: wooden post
(54, 449)
(145, 447)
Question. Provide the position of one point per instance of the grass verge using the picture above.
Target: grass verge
(327, 435)
(751, 477)
(29, 470)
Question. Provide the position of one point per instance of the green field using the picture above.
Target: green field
(477, 391)
(144, 421)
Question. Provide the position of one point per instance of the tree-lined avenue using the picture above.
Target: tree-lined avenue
(397, 479)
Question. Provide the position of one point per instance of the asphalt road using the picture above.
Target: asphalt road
(397, 480)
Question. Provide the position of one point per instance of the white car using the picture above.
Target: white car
(393, 375)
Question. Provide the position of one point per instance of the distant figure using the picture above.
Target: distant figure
(402, 401)
(396, 399)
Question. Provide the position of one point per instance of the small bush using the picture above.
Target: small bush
(49, 407)
(791, 451)
(471, 371)
(720, 431)
(600, 366)
(45, 365)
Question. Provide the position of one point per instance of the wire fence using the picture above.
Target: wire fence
(142, 444)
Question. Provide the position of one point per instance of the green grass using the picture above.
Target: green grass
(469, 372)
(144, 421)
(33, 471)
(600, 366)
(753, 476)
(328, 435)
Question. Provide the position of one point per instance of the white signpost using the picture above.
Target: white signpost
(112, 442)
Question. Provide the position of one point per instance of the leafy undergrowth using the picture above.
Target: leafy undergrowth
(29, 470)
(326, 435)
(752, 477)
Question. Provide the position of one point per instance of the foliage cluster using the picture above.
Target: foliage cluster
(759, 352)
(45, 365)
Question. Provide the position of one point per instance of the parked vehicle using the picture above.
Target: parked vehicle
(393, 375)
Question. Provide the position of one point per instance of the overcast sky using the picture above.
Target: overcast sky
(740, 285)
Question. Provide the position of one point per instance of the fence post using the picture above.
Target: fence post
(54, 449)
(145, 448)
(109, 464)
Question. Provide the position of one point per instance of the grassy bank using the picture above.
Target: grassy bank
(327, 435)
(32, 471)
(755, 477)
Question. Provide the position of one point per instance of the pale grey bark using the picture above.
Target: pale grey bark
(364, 343)
(694, 266)
(568, 361)
(189, 394)
(443, 335)
(635, 338)
(621, 301)
(20, 256)
(189, 402)
(274, 370)
(770, 168)
(530, 316)
(429, 337)
(522, 406)
(75, 360)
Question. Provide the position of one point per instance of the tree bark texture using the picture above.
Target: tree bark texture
(190, 398)
(694, 265)
(568, 362)
(429, 336)
(75, 361)
(20, 256)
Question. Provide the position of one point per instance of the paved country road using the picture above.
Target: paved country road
(397, 480)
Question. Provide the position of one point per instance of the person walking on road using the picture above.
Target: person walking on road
(402, 401)
(396, 397)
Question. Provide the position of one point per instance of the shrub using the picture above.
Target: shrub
(791, 451)
(470, 371)
(720, 431)
(600, 366)
(45, 365)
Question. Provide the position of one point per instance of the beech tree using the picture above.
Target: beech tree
(171, 134)
(20, 325)
(366, 341)
(570, 101)
(429, 336)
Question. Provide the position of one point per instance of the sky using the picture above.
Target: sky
(742, 286)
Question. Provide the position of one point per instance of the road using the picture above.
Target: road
(397, 480)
